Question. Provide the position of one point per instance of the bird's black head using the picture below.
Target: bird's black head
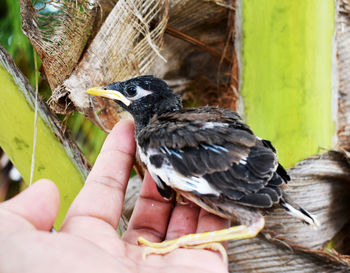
(143, 97)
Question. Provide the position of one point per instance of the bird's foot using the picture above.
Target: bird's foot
(206, 240)
(181, 200)
(153, 248)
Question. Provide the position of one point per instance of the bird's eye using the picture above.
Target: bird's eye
(131, 91)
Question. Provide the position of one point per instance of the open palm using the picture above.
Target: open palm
(88, 241)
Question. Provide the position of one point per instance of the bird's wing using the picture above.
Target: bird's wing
(211, 152)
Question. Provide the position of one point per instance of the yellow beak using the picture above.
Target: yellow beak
(110, 94)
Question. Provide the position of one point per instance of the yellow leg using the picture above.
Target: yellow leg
(206, 240)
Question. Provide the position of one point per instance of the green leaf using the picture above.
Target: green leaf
(55, 158)
(287, 74)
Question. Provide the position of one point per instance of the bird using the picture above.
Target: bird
(206, 155)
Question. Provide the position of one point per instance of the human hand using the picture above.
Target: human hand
(88, 241)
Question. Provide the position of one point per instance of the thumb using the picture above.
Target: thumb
(38, 204)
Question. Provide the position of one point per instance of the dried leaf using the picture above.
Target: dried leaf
(321, 185)
(343, 65)
(125, 46)
(58, 31)
(202, 57)
(128, 44)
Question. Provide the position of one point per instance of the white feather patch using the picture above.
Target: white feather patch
(140, 92)
(296, 213)
(213, 124)
(172, 178)
(243, 161)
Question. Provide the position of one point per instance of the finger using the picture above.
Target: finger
(150, 216)
(103, 193)
(38, 204)
(210, 222)
(183, 220)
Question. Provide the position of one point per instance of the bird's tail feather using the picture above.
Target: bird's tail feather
(295, 210)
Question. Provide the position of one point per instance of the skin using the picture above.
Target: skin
(88, 241)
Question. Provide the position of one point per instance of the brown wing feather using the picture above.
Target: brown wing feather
(215, 144)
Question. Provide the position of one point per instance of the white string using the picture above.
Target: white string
(35, 119)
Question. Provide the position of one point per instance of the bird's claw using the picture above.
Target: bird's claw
(181, 200)
(169, 246)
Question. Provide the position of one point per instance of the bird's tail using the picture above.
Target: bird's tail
(295, 210)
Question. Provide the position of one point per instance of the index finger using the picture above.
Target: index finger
(102, 196)
(150, 216)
